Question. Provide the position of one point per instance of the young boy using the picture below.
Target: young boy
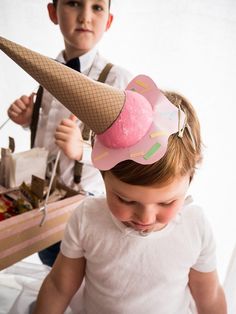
(145, 247)
(82, 24)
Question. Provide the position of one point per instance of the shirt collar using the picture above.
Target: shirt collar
(129, 231)
(86, 60)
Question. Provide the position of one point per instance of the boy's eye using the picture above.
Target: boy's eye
(97, 7)
(74, 3)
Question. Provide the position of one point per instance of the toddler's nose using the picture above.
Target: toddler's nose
(147, 215)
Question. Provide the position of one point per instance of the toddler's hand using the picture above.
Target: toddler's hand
(20, 111)
(69, 139)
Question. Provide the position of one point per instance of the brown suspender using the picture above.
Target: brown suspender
(35, 115)
(103, 75)
(86, 132)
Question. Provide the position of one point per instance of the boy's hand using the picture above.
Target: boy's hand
(69, 139)
(20, 111)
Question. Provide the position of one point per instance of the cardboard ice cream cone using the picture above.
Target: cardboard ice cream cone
(97, 105)
(134, 124)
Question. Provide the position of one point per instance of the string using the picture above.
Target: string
(4, 123)
(44, 207)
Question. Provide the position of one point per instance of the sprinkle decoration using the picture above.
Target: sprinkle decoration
(101, 156)
(143, 85)
(138, 154)
(156, 134)
(152, 151)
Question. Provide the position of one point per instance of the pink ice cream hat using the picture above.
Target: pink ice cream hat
(134, 124)
(142, 129)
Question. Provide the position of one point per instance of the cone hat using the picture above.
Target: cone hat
(97, 105)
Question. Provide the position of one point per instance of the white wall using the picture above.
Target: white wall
(188, 46)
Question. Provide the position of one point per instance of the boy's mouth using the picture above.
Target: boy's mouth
(83, 30)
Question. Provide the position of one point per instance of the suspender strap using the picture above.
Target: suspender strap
(103, 75)
(86, 133)
(77, 171)
(35, 115)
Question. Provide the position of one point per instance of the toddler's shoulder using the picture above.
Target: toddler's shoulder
(91, 205)
(192, 211)
(91, 215)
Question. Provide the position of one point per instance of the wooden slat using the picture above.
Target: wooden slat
(21, 236)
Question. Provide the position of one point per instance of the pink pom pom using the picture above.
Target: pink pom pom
(132, 124)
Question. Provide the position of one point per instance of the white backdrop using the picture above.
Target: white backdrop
(187, 46)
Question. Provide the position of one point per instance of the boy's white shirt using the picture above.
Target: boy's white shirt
(129, 273)
(52, 112)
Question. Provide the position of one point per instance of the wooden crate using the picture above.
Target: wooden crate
(22, 235)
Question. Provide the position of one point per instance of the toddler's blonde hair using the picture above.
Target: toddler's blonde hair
(181, 158)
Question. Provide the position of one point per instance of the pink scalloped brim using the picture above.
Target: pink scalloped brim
(153, 145)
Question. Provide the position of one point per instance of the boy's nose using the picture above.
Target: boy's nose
(85, 14)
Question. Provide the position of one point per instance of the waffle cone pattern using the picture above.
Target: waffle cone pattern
(97, 105)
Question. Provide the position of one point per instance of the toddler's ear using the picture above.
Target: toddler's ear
(109, 21)
(52, 12)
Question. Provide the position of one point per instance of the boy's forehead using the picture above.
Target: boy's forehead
(105, 1)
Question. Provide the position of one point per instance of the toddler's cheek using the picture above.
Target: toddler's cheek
(120, 214)
(167, 216)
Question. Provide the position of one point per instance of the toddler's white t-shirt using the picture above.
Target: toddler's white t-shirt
(129, 273)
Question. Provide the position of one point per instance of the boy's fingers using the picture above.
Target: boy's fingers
(61, 137)
(73, 118)
(25, 99)
(18, 106)
(63, 129)
(33, 98)
(68, 123)
(13, 114)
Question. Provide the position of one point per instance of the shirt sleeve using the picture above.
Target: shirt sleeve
(87, 151)
(71, 245)
(206, 261)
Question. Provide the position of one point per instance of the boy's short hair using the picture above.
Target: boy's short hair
(55, 3)
(181, 157)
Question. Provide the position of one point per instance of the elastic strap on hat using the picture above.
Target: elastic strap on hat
(185, 125)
